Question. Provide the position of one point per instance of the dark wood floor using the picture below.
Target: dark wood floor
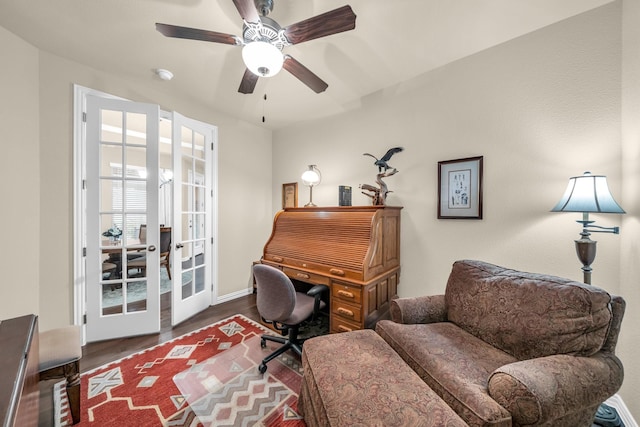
(99, 353)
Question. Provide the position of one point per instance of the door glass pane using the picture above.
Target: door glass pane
(110, 230)
(137, 162)
(199, 281)
(186, 197)
(198, 145)
(136, 129)
(111, 126)
(112, 298)
(186, 145)
(187, 290)
(186, 227)
(199, 172)
(136, 196)
(137, 296)
(198, 228)
(110, 155)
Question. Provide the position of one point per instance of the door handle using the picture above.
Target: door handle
(151, 248)
(179, 245)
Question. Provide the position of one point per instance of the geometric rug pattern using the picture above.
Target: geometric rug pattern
(208, 377)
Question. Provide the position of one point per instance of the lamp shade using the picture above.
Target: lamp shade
(262, 58)
(588, 193)
(311, 176)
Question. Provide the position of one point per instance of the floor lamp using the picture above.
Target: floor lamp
(588, 193)
(311, 177)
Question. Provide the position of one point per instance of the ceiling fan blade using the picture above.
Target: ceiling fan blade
(332, 22)
(248, 82)
(303, 74)
(247, 10)
(196, 34)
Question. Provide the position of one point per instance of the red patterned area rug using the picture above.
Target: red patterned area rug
(205, 378)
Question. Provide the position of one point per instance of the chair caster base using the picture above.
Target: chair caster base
(262, 368)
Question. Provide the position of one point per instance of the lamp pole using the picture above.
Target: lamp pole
(586, 248)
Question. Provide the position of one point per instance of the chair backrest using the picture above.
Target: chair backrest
(528, 315)
(276, 295)
(142, 233)
(165, 241)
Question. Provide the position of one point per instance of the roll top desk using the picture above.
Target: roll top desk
(354, 250)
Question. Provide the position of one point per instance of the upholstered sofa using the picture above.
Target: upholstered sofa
(508, 348)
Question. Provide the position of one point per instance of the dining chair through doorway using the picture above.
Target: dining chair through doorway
(165, 254)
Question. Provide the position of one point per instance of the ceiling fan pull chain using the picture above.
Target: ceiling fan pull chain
(263, 104)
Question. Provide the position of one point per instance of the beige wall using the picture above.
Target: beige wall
(19, 177)
(630, 243)
(540, 108)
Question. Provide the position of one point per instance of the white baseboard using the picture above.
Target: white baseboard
(616, 401)
(233, 295)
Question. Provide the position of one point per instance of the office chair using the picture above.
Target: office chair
(279, 304)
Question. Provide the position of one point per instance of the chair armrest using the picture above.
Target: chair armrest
(316, 292)
(537, 391)
(422, 309)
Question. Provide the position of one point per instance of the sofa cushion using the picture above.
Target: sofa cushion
(527, 315)
(454, 363)
(356, 379)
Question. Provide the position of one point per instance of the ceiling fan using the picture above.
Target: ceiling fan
(263, 40)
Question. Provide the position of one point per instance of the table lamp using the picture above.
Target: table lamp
(311, 177)
(588, 193)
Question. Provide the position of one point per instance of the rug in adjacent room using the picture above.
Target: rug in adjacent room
(205, 378)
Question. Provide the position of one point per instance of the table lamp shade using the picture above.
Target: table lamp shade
(311, 176)
(588, 193)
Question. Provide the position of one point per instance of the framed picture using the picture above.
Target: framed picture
(460, 188)
(290, 195)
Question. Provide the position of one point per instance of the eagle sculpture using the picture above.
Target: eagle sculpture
(382, 163)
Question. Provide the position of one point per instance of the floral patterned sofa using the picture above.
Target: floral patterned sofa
(508, 348)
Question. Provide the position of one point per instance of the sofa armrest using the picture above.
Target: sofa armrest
(422, 309)
(537, 391)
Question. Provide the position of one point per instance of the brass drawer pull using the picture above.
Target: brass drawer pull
(345, 312)
(344, 328)
(302, 275)
(336, 272)
(345, 294)
(278, 259)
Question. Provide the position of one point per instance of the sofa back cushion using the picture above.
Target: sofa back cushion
(527, 315)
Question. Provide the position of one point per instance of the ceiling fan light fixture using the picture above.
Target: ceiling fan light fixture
(262, 58)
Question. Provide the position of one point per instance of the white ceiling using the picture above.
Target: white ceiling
(393, 41)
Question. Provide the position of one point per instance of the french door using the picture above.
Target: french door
(122, 228)
(193, 217)
(147, 175)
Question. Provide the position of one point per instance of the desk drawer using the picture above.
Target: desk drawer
(303, 276)
(341, 325)
(351, 294)
(346, 311)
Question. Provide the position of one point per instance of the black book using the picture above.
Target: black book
(344, 195)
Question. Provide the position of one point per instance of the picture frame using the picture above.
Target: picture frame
(290, 195)
(460, 188)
